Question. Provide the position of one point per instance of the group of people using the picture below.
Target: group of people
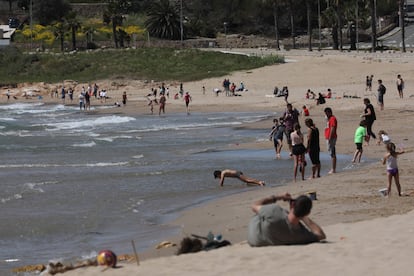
(274, 225)
(382, 89)
(230, 88)
(162, 100)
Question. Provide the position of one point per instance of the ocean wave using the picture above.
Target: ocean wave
(88, 123)
(20, 133)
(85, 145)
(98, 164)
(105, 164)
(112, 138)
(187, 126)
(10, 198)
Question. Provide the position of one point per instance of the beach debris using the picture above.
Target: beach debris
(107, 258)
(30, 268)
(383, 191)
(312, 195)
(193, 245)
(135, 251)
(165, 244)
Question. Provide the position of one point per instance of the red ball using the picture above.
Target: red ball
(106, 257)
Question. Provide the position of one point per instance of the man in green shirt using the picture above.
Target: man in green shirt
(273, 225)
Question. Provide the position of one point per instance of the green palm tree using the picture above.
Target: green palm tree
(164, 20)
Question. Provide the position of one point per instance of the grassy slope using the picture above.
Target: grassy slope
(145, 63)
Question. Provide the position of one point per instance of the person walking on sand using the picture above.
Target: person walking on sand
(298, 151)
(370, 117)
(187, 99)
(273, 225)
(381, 92)
(390, 158)
(331, 136)
(162, 102)
(313, 147)
(360, 136)
(236, 174)
(400, 86)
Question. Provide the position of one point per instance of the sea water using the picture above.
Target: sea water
(73, 183)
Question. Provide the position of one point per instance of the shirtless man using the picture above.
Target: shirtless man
(236, 174)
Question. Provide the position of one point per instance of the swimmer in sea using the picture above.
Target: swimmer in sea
(236, 174)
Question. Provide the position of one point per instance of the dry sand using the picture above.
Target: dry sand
(366, 233)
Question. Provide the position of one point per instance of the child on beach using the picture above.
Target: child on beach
(277, 135)
(360, 136)
(383, 137)
(305, 111)
(390, 159)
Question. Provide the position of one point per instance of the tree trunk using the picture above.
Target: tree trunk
(339, 17)
(308, 14)
(373, 26)
(292, 25)
(335, 37)
(73, 38)
(62, 41)
(276, 19)
(402, 25)
(114, 32)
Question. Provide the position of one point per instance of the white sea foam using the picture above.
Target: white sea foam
(112, 138)
(7, 119)
(85, 145)
(19, 133)
(187, 126)
(88, 123)
(15, 196)
(11, 260)
(138, 156)
(104, 164)
(20, 106)
(99, 164)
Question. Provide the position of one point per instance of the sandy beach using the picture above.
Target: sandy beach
(366, 232)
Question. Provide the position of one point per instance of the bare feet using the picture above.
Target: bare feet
(262, 183)
(331, 172)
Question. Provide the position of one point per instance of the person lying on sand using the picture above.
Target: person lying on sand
(273, 225)
(236, 174)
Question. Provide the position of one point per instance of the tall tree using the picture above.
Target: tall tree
(48, 11)
(59, 29)
(164, 20)
(73, 24)
(114, 14)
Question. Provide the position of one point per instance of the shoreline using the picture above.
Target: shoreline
(347, 197)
